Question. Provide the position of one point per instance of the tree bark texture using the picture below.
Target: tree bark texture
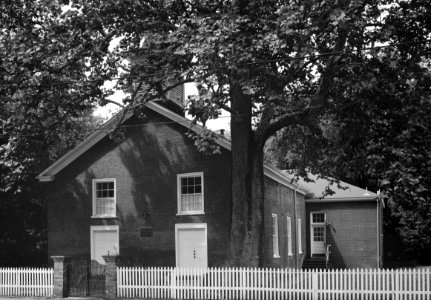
(247, 230)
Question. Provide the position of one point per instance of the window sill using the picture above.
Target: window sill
(290, 254)
(191, 213)
(276, 256)
(104, 217)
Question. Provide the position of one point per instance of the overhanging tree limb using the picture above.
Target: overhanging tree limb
(305, 115)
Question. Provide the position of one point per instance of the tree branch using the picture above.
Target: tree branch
(227, 108)
(306, 114)
(299, 116)
(113, 102)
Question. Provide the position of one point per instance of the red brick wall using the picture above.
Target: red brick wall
(351, 232)
(145, 166)
(280, 200)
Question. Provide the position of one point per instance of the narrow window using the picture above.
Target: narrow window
(289, 236)
(299, 229)
(190, 193)
(104, 197)
(275, 235)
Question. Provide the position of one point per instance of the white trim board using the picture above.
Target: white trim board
(49, 173)
(333, 200)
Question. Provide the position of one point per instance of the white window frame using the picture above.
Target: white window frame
(185, 175)
(95, 181)
(289, 235)
(104, 228)
(275, 242)
(299, 231)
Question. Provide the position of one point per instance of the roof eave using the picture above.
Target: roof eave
(49, 173)
(45, 178)
(343, 199)
(281, 177)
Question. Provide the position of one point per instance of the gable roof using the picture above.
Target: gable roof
(347, 192)
(49, 173)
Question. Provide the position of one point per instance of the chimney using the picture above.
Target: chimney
(366, 192)
(176, 100)
(175, 96)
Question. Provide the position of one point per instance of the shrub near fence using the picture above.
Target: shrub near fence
(28, 282)
(277, 284)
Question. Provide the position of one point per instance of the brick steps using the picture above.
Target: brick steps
(314, 263)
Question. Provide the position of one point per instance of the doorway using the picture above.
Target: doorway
(317, 233)
(191, 245)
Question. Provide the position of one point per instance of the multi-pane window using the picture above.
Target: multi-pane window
(289, 236)
(299, 239)
(190, 193)
(275, 235)
(319, 234)
(104, 197)
(318, 217)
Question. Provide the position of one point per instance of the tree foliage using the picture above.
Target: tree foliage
(271, 64)
(375, 131)
(301, 70)
(40, 116)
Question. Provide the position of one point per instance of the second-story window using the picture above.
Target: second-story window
(190, 193)
(104, 197)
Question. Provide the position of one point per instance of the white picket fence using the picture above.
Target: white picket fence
(277, 284)
(30, 282)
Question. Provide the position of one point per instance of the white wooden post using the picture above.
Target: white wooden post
(314, 285)
(173, 283)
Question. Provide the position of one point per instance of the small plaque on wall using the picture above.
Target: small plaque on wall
(147, 232)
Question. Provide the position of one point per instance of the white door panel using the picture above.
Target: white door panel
(104, 240)
(192, 247)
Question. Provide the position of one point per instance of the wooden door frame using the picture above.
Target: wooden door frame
(312, 232)
(190, 226)
(96, 228)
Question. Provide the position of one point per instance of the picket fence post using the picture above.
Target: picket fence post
(314, 285)
(173, 282)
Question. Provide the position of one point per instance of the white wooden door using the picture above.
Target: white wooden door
(191, 245)
(104, 240)
(317, 233)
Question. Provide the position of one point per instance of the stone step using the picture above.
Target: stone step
(314, 263)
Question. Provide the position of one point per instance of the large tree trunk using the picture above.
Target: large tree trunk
(246, 238)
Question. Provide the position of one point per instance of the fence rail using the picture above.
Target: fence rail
(277, 284)
(36, 282)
